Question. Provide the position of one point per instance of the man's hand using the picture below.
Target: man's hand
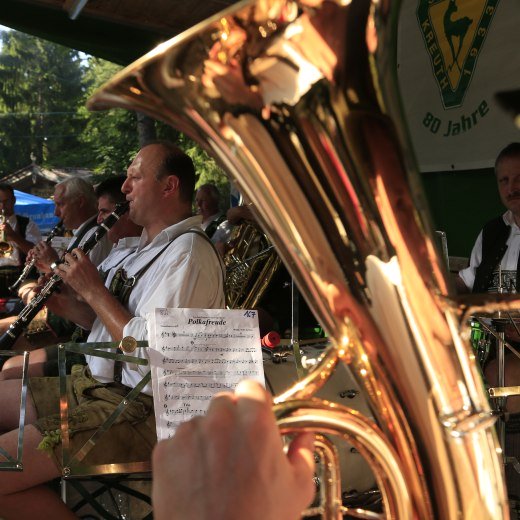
(44, 255)
(79, 273)
(230, 464)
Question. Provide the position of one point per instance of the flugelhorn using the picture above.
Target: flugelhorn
(6, 249)
(55, 231)
(299, 101)
(26, 315)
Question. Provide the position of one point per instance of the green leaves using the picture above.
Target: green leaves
(43, 90)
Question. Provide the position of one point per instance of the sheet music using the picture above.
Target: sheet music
(195, 353)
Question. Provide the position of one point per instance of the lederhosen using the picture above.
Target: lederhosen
(10, 273)
(494, 245)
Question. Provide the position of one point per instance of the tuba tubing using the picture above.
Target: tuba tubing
(299, 102)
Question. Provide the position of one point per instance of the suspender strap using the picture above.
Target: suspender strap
(129, 284)
(22, 224)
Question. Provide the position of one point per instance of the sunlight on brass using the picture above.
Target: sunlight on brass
(504, 391)
(299, 102)
(6, 249)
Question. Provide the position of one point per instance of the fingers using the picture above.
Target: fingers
(301, 454)
(252, 399)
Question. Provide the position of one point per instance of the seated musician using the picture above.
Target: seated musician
(207, 200)
(495, 258)
(124, 235)
(175, 266)
(76, 206)
(20, 233)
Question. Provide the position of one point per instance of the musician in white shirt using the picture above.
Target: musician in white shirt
(186, 272)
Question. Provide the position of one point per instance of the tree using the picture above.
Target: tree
(110, 138)
(41, 90)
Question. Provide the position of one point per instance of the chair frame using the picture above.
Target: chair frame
(72, 462)
(10, 463)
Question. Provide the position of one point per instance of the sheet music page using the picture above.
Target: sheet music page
(195, 353)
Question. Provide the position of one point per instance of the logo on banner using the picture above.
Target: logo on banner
(454, 32)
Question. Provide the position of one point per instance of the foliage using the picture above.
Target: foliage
(110, 137)
(43, 91)
(209, 172)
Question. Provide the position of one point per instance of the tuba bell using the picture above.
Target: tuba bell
(299, 102)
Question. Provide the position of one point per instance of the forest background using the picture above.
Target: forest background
(43, 118)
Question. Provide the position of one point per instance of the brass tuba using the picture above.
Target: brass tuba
(251, 263)
(299, 101)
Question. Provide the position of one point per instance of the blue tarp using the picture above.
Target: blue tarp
(37, 209)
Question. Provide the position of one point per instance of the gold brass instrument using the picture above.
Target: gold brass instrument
(251, 263)
(299, 102)
(6, 249)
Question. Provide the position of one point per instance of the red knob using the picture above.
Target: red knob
(271, 339)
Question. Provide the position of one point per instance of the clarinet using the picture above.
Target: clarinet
(9, 337)
(56, 230)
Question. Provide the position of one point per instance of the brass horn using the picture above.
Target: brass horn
(251, 264)
(299, 101)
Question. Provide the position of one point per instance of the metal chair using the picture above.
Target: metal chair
(7, 461)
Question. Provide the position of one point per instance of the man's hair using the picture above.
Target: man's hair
(111, 188)
(510, 151)
(7, 187)
(213, 192)
(78, 187)
(176, 162)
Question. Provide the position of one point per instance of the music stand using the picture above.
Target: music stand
(72, 463)
(10, 463)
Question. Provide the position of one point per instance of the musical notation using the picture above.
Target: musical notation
(194, 354)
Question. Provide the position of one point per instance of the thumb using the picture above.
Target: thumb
(301, 458)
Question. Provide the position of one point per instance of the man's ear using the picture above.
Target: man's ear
(171, 185)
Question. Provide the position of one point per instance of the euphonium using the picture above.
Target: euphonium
(251, 264)
(299, 102)
(6, 249)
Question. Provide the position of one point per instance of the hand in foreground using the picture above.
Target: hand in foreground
(230, 464)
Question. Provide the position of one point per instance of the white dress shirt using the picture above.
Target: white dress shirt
(188, 274)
